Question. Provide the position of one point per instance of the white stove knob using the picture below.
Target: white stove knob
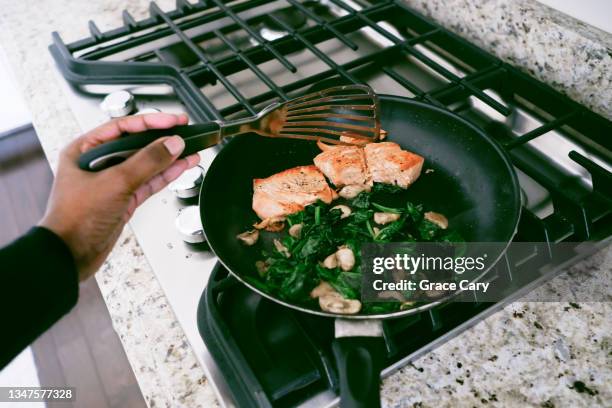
(118, 104)
(189, 225)
(187, 185)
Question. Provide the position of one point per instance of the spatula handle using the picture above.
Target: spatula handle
(197, 137)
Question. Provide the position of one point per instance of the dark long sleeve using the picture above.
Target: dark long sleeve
(38, 285)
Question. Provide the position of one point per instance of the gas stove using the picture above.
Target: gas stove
(217, 60)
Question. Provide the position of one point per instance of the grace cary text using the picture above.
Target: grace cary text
(425, 285)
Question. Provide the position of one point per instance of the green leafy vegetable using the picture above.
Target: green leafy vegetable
(387, 209)
(386, 188)
(362, 201)
(348, 284)
(391, 231)
(323, 231)
(427, 230)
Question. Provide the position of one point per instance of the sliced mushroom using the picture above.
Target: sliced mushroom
(383, 134)
(383, 218)
(346, 210)
(437, 218)
(334, 303)
(346, 258)
(262, 268)
(435, 294)
(391, 294)
(353, 190)
(281, 248)
(398, 274)
(407, 305)
(322, 289)
(330, 262)
(296, 230)
(273, 224)
(249, 237)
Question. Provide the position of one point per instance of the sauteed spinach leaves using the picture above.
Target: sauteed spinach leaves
(324, 229)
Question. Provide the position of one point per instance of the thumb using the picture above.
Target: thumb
(150, 160)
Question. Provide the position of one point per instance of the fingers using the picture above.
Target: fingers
(162, 179)
(128, 124)
(149, 161)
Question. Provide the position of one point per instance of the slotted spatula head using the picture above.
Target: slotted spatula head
(343, 114)
(333, 115)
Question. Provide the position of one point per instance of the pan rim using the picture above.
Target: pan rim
(402, 313)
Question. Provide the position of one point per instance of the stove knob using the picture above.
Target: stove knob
(187, 185)
(189, 225)
(118, 104)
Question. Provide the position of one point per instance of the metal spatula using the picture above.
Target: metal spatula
(340, 114)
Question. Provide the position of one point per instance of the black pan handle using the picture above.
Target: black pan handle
(197, 137)
(359, 360)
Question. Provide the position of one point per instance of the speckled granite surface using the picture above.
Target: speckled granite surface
(529, 354)
(573, 57)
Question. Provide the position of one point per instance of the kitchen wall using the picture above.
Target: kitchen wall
(13, 112)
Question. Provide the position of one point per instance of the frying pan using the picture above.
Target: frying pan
(472, 183)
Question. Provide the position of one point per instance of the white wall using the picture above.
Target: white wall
(13, 111)
(597, 13)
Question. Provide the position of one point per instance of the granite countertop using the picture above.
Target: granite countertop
(528, 354)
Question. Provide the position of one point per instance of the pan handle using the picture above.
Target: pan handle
(359, 361)
(197, 137)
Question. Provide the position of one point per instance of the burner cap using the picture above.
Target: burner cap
(189, 225)
(118, 104)
(187, 185)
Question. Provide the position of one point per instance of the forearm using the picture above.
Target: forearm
(38, 285)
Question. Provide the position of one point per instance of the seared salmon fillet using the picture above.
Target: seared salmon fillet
(290, 191)
(388, 163)
(343, 165)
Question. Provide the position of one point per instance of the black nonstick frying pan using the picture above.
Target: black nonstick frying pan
(472, 183)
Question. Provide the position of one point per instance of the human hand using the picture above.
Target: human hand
(89, 210)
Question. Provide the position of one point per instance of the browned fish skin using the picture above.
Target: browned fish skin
(290, 191)
(343, 165)
(388, 163)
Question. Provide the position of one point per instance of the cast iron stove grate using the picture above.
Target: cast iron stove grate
(271, 356)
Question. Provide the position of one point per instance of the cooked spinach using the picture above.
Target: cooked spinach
(386, 188)
(323, 231)
(362, 201)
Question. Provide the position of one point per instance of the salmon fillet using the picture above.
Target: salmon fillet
(388, 163)
(343, 165)
(290, 191)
